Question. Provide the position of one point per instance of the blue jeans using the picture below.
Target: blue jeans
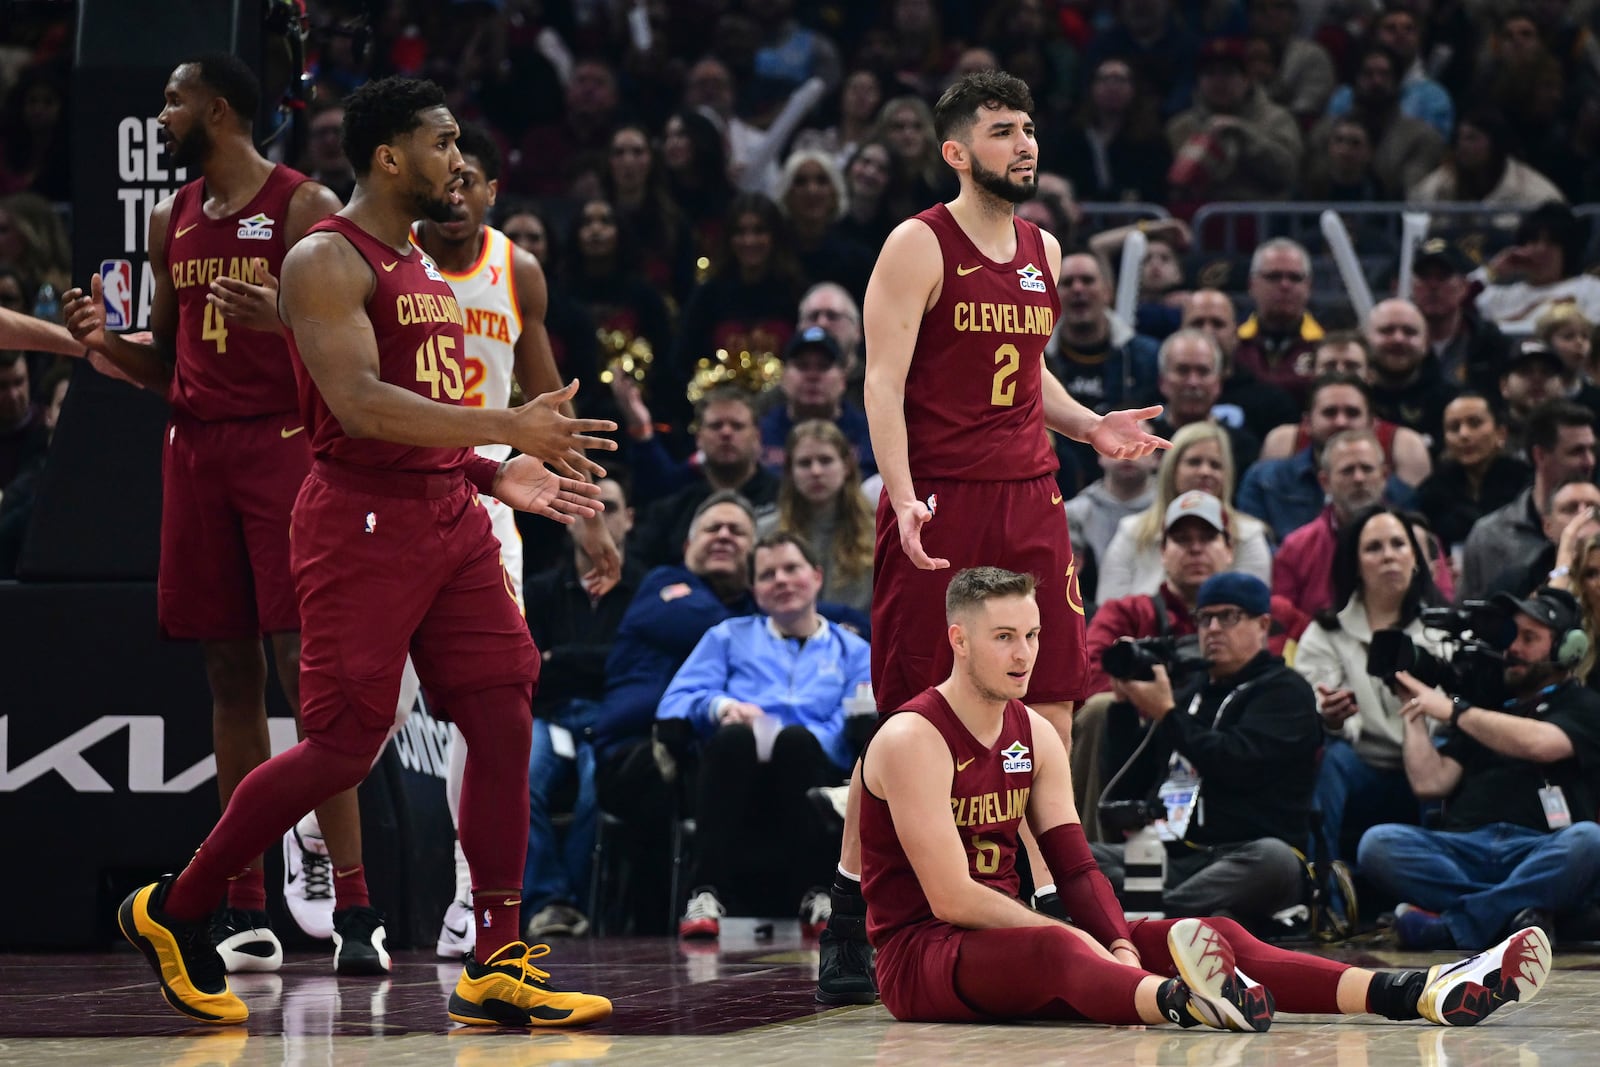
(1352, 793)
(1477, 880)
(560, 872)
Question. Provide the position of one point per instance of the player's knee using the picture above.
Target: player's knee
(237, 673)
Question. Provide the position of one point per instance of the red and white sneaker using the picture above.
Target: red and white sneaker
(702, 919)
(1219, 996)
(1468, 992)
(815, 909)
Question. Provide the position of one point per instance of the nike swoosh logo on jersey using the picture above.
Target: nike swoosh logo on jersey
(287, 433)
(964, 271)
(185, 229)
(1055, 498)
(387, 267)
(962, 765)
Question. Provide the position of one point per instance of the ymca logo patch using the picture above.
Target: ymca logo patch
(1032, 279)
(1016, 759)
(256, 228)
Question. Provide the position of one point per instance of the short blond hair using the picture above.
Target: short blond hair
(978, 585)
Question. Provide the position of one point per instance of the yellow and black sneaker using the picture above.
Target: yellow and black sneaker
(508, 990)
(185, 961)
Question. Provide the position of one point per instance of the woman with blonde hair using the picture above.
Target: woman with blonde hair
(820, 499)
(1200, 458)
(1582, 580)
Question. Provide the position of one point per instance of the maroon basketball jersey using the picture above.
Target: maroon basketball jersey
(225, 371)
(420, 333)
(988, 798)
(974, 406)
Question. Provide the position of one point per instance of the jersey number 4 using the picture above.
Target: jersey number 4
(437, 368)
(1003, 393)
(214, 327)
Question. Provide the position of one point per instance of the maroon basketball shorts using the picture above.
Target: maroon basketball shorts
(1016, 525)
(227, 490)
(390, 563)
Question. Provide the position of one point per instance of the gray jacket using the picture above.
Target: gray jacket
(1500, 538)
(1093, 514)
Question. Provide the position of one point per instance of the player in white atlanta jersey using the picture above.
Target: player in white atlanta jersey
(502, 294)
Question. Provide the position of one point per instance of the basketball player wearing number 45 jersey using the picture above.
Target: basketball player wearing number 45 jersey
(393, 554)
(957, 313)
(233, 457)
(947, 781)
(502, 294)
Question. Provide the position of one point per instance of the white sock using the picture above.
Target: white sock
(463, 876)
(848, 874)
(1042, 890)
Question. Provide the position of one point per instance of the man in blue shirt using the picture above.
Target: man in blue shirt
(1286, 494)
(814, 383)
(766, 696)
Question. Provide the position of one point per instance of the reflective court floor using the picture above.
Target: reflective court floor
(747, 1001)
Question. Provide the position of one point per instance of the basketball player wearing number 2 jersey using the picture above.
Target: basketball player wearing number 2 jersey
(957, 313)
(502, 293)
(234, 455)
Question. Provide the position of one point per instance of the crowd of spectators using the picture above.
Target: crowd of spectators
(707, 184)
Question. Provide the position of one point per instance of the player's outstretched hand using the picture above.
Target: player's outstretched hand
(1119, 435)
(605, 562)
(913, 517)
(542, 431)
(242, 303)
(528, 485)
(84, 314)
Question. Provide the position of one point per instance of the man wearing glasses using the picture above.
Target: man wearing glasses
(1276, 344)
(1231, 758)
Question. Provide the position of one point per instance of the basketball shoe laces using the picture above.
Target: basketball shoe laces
(529, 974)
(200, 959)
(317, 870)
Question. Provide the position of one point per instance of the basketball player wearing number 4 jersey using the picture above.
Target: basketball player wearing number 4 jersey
(502, 294)
(946, 783)
(234, 455)
(957, 313)
(393, 554)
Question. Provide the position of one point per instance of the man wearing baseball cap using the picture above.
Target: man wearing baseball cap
(1232, 757)
(1519, 845)
(1195, 544)
(813, 388)
(1471, 350)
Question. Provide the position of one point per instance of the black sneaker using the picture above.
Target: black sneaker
(844, 964)
(182, 955)
(245, 941)
(358, 938)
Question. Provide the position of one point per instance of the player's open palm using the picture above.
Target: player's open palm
(1120, 435)
(912, 518)
(542, 431)
(528, 485)
(84, 314)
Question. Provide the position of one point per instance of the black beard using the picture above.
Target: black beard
(997, 184)
(424, 205)
(190, 150)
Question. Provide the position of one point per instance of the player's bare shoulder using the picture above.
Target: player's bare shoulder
(309, 204)
(911, 265)
(321, 272)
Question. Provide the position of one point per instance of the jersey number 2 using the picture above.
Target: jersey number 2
(1004, 391)
(437, 368)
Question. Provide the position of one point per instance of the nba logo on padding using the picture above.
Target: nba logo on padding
(116, 290)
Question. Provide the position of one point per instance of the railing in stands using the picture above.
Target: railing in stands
(1107, 214)
(1235, 229)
